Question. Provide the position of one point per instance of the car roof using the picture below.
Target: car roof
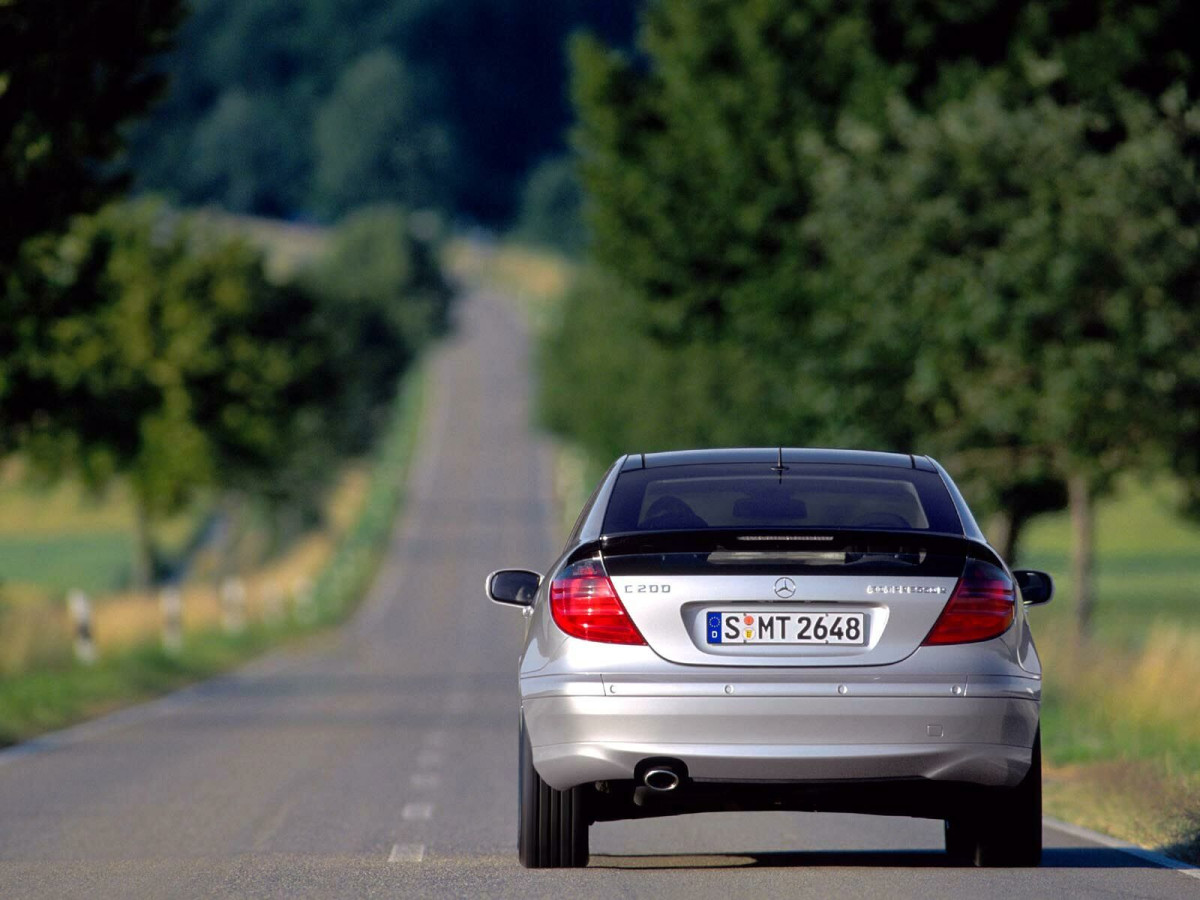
(790, 455)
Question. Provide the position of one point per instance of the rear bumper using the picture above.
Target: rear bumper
(984, 741)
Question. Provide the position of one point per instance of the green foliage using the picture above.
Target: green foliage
(153, 346)
(316, 106)
(1053, 284)
(244, 152)
(613, 387)
(376, 137)
(551, 210)
(383, 298)
(156, 348)
(69, 83)
(1024, 297)
(70, 79)
(960, 229)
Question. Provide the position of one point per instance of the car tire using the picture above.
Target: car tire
(552, 828)
(961, 840)
(1006, 829)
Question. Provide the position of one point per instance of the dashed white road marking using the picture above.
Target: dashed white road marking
(410, 853)
(416, 811)
(425, 780)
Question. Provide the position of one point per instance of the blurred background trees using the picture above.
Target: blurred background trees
(968, 229)
(69, 81)
(148, 345)
(159, 353)
(373, 259)
(71, 76)
(154, 347)
(551, 208)
(962, 229)
(303, 108)
(376, 137)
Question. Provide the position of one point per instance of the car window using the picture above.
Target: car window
(751, 496)
(587, 507)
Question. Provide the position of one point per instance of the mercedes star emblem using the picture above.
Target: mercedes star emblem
(785, 588)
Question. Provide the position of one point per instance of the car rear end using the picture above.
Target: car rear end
(797, 629)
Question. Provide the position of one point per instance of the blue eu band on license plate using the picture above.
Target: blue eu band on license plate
(714, 628)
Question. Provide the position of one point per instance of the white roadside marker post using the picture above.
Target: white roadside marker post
(233, 605)
(170, 602)
(81, 626)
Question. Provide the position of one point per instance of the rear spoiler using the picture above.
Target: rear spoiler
(708, 540)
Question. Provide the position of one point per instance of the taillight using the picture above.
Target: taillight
(585, 605)
(982, 606)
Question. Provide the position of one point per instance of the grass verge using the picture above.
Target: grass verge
(36, 702)
(1122, 735)
(1121, 714)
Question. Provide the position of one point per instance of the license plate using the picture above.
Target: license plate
(786, 626)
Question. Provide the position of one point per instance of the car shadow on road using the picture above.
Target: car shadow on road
(1052, 858)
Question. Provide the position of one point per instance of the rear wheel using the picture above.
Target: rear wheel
(1006, 830)
(552, 827)
(961, 840)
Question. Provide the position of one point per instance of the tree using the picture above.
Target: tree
(244, 156)
(551, 211)
(377, 139)
(965, 228)
(692, 154)
(382, 298)
(155, 348)
(1042, 290)
(69, 83)
(486, 76)
(72, 75)
(697, 190)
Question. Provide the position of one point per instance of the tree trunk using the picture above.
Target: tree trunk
(231, 512)
(1000, 534)
(1080, 499)
(1004, 533)
(143, 547)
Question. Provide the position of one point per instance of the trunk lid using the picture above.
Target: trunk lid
(795, 599)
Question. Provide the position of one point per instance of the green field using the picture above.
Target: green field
(95, 562)
(61, 537)
(1148, 565)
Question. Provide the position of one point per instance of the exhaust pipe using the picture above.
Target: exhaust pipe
(661, 779)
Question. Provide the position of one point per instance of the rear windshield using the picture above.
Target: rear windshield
(751, 496)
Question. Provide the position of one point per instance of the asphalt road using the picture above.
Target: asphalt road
(381, 760)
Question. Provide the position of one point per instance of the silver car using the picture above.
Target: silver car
(771, 629)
